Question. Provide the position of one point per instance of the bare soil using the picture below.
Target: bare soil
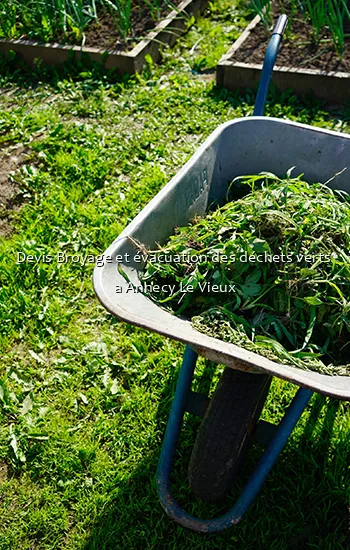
(3, 472)
(298, 49)
(10, 199)
(104, 34)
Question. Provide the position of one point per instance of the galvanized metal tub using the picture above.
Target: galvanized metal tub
(242, 146)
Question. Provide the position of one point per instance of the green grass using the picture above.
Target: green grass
(214, 33)
(84, 398)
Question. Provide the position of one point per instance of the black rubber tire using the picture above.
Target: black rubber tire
(223, 436)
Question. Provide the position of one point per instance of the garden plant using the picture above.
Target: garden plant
(68, 20)
(328, 19)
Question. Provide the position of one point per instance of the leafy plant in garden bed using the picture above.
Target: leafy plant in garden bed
(327, 19)
(314, 55)
(91, 22)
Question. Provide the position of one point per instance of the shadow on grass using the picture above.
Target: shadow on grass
(324, 469)
(16, 71)
(306, 109)
(303, 503)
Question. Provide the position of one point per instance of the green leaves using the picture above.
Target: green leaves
(320, 14)
(260, 246)
(27, 405)
(313, 300)
(250, 289)
(18, 454)
(306, 272)
(276, 248)
(254, 277)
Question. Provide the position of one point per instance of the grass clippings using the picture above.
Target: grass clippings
(269, 272)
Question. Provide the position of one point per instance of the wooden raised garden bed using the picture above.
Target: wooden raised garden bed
(165, 32)
(236, 71)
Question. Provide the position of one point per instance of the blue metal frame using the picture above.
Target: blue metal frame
(255, 481)
(183, 388)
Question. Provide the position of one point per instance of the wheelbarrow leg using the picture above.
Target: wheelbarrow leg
(177, 411)
(256, 480)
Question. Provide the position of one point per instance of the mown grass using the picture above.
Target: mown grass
(84, 399)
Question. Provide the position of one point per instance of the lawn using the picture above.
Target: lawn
(84, 398)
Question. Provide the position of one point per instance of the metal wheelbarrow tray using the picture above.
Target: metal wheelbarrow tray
(242, 146)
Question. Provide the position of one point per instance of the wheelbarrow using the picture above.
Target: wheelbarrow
(230, 418)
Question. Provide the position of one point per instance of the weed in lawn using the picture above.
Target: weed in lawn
(10, 195)
(219, 26)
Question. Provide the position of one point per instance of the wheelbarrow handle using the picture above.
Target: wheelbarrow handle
(269, 62)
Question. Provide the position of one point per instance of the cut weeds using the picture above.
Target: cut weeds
(269, 272)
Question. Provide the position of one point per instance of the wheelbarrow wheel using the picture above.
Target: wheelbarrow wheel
(223, 437)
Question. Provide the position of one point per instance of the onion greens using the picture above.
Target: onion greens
(323, 15)
(54, 20)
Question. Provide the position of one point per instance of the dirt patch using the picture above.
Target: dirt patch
(10, 199)
(104, 34)
(297, 49)
(3, 472)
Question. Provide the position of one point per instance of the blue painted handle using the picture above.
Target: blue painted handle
(269, 62)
